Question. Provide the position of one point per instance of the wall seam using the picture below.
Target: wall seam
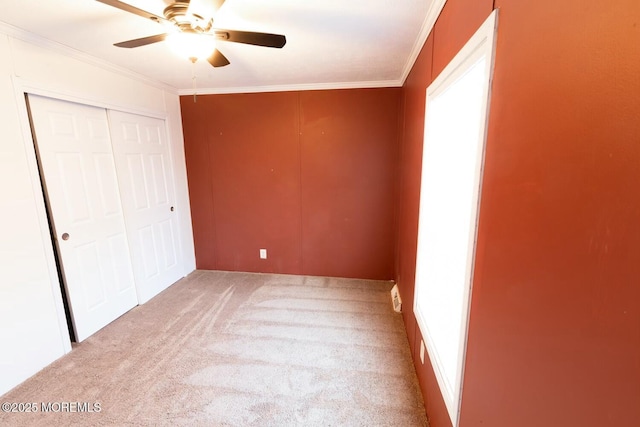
(299, 136)
(433, 55)
(399, 196)
(209, 141)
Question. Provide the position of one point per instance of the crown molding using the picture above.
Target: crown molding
(435, 7)
(293, 87)
(43, 42)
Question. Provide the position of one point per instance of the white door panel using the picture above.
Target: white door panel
(74, 149)
(144, 172)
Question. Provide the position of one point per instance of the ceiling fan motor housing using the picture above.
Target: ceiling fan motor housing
(177, 13)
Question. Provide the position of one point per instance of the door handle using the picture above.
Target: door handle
(65, 236)
(171, 208)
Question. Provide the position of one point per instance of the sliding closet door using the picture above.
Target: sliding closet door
(76, 161)
(143, 162)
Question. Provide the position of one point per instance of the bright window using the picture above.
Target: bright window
(455, 134)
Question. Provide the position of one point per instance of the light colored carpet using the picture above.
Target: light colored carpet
(239, 349)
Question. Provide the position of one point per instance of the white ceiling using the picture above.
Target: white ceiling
(330, 43)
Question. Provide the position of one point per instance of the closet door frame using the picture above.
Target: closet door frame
(21, 89)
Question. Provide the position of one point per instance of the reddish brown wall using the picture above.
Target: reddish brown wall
(349, 143)
(457, 22)
(556, 311)
(554, 334)
(309, 176)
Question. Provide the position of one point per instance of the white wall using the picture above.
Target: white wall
(32, 325)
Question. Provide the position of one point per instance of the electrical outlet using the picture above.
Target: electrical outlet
(422, 351)
(263, 254)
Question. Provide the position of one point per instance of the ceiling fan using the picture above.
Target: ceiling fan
(194, 19)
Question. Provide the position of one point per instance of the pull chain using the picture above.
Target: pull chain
(193, 76)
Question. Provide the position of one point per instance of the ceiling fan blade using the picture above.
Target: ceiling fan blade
(217, 59)
(142, 41)
(131, 9)
(250, 37)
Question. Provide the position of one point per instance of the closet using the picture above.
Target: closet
(110, 198)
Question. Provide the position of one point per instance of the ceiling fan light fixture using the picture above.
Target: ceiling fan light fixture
(191, 45)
